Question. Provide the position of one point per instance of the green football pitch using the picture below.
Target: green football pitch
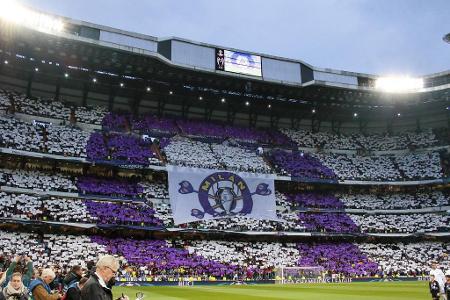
(348, 291)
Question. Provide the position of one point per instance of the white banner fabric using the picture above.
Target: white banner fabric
(203, 194)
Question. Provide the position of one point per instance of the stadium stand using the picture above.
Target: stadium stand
(366, 204)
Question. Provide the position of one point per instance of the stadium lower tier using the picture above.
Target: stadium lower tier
(150, 260)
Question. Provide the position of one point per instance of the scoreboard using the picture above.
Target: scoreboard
(238, 62)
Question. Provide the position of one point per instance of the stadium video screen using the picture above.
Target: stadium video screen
(238, 62)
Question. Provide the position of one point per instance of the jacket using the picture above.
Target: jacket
(39, 290)
(73, 292)
(93, 290)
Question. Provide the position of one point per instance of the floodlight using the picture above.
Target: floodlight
(398, 84)
(13, 12)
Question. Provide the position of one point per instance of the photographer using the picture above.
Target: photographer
(74, 290)
(74, 276)
(20, 264)
(40, 289)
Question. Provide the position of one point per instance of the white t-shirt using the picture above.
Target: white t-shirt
(440, 278)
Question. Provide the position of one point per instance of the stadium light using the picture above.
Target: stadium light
(121, 84)
(223, 100)
(170, 93)
(313, 110)
(6, 62)
(13, 12)
(247, 103)
(36, 69)
(94, 80)
(148, 89)
(66, 75)
(398, 84)
(269, 106)
(200, 98)
(399, 114)
(355, 115)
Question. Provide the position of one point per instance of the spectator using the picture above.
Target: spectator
(74, 290)
(15, 290)
(13, 268)
(99, 286)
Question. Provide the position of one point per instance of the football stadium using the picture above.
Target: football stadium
(143, 167)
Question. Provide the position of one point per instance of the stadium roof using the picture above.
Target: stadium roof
(130, 65)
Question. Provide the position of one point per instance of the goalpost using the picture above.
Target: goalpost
(285, 275)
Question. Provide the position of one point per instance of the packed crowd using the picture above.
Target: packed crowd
(192, 153)
(393, 200)
(132, 148)
(89, 185)
(355, 141)
(37, 180)
(153, 197)
(384, 168)
(158, 260)
(30, 207)
(410, 223)
(50, 108)
(123, 148)
(368, 201)
(301, 165)
(407, 258)
(52, 139)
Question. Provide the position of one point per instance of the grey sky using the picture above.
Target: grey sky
(371, 36)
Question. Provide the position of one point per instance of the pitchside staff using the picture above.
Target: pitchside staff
(438, 276)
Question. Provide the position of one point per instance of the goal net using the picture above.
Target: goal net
(299, 274)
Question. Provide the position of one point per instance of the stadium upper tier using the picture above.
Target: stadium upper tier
(44, 126)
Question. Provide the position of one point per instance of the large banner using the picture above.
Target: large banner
(202, 194)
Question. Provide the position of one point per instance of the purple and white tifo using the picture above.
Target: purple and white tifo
(202, 194)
